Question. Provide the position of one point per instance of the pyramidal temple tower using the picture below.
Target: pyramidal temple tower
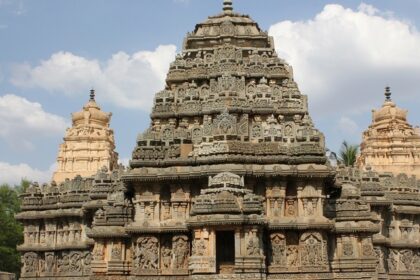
(391, 144)
(229, 181)
(88, 145)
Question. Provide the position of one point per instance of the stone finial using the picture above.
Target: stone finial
(227, 6)
(92, 95)
(388, 93)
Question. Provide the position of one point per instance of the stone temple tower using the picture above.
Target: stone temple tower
(88, 145)
(391, 144)
(230, 181)
(233, 166)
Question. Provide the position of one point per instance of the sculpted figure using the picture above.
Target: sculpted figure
(180, 245)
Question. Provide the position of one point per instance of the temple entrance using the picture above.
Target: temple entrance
(225, 251)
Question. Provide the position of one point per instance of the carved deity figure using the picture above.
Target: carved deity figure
(181, 251)
(253, 246)
(278, 249)
(199, 247)
(49, 262)
(166, 253)
(292, 256)
(64, 264)
(29, 262)
(116, 252)
(312, 249)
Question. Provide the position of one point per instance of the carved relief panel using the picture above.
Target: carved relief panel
(146, 255)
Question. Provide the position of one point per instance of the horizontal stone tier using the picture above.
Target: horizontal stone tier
(107, 232)
(134, 228)
(224, 219)
(49, 214)
(196, 109)
(190, 172)
(181, 75)
(229, 158)
(84, 245)
(300, 223)
(406, 209)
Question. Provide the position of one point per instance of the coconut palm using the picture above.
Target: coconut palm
(348, 154)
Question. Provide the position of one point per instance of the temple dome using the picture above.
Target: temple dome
(391, 144)
(91, 114)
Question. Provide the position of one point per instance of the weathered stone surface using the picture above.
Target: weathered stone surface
(230, 181)
(391, 144)
(88, 145)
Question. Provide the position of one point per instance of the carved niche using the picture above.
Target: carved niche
(253, 244)
(310, 201)
(313, 250)
(278, 249)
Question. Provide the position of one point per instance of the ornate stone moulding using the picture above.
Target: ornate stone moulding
(156, 229)
(183, 172)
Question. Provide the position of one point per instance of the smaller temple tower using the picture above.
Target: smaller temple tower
(88, 145)
(391, 144)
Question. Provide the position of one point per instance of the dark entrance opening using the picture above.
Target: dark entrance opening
(225, 251)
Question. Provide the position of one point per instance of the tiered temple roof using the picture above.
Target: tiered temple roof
(88, 145)
(391, 144)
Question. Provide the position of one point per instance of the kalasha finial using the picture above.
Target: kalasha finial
(92, 95)
(227, 6)
(388, 93)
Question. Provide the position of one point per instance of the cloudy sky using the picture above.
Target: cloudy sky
(53, 52)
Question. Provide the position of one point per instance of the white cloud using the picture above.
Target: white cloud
(347, 126)
(127, 80)
(13, 174)
(344, 58)
(22, 121)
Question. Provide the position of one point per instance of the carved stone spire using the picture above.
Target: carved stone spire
(388, 93)
(92, 95)
(227, 6)
(89, 135)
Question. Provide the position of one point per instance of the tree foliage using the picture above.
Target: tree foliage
(348, 154)
(11, 232)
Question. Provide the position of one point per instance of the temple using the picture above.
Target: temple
(391, 144)
(88, 145)
(230, 181)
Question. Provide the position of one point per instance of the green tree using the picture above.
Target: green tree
(11, 232)
(348, 154)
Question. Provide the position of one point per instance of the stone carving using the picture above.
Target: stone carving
(89, 133)
(199, 247)
(166, 254)
(390, 132)
(116, 252)
(30, 262)
(278, 249)
(313, 253)
(231, 152)
(98, 252)
(181, 251)
(253, 246)
(146, 255)
(49, 262)
(348, 249)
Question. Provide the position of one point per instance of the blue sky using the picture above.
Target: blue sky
(51, 52)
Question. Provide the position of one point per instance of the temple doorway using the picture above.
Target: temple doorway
(225, 251)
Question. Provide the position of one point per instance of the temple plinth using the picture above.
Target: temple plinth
(391, 144)
(88, 145)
